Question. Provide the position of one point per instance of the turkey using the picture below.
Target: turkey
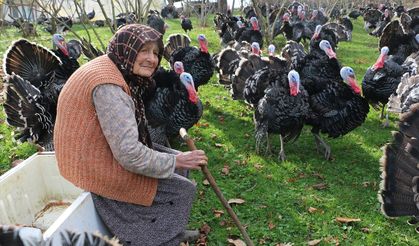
(186, 23)
(381, 80)
(197, 62)
(400, 38)
(399, 170)
(174, 105)
(247, 68)
(407, 94)
(294, 53)
(229, 59)
(169, 11)
(336, 108)
(255, 72)
(34, 77)
(91, 15)
(253, 34)
(384, 20)
(155, 21)
(282, 110)
(371, 19)
(68, 52)
(320, 34)
(24, 236)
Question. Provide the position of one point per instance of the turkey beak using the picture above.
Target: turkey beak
(354, 84)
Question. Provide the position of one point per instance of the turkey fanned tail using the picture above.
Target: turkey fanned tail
(174, 42)
(30, 61)
(23, 107)
(400, 173)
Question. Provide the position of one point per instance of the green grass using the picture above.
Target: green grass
(278, 195)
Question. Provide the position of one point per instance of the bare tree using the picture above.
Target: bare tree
(266, 21)
(222, 6)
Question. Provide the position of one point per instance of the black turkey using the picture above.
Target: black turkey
(186, 23)
(155, 21)
(400, 38)
(169, 11)
(255, 73)
(197, 62)
(253, 34)
(174, 105)
(34, 77)
(400, 173)
(407, 92)
(336, 108)
(282, 110)
(381, 80)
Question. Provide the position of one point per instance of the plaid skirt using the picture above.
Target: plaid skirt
(163, 223)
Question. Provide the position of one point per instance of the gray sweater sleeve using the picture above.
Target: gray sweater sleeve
(116, 114)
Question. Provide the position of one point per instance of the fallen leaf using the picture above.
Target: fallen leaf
(218, 145)
(314, 242)
(235, 201)
(205, 182)
(236, 242)
(318, 175)
(247, 135)
(218, 213)
(320, 186)
(225, 170)
(271, 225)
(312, 210)
(284, 244)
(213, 136)
(365, 230)
(221, 119)
(205, 229)
(269, 176)
(258, 166)
(222, 223)
(301, 175)
(291, 180)
(346, 220)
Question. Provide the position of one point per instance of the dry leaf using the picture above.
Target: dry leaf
(320, 186)
(221, 119)
(236, 201)
(205, 229)
(258, 166)
(205, 182)
(365, 230)
(346, 220)
(225, 170)
(269, 176)
(271, 225)
(312, 210)
(222, 223)
(236, 242)
(318, 175)
(314, 242)
(213, 136)
(247, 135)
(218, 145)
(218, 213)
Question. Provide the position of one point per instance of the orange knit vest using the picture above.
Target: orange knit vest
(83, 154)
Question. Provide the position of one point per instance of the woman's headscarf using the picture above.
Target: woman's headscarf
(122, 50)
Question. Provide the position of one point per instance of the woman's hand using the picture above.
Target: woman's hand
(191, 159)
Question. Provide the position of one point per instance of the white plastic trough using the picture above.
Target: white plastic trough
(35, 194)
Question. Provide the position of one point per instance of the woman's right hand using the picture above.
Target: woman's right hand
(191, 159)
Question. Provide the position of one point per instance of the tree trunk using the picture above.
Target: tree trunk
(222, 6)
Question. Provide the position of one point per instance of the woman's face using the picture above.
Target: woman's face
(147, 60)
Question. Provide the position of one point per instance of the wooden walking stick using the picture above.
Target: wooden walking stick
(189, 141)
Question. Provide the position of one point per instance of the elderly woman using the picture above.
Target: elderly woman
(103, 146)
